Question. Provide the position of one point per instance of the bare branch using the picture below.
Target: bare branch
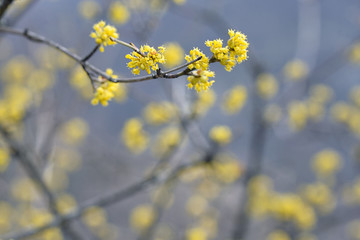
(4, 6)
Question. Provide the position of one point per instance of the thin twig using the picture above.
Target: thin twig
(4, 6)
(104, 200)
(41, 39)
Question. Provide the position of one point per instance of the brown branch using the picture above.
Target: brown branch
(41, 39)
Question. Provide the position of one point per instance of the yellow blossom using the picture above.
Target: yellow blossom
(226, 168)
(200, 80)
(196, 205)
(89, 9)
(196, 234)
(65, 203)
(354, 53)
(298, 115)
(134, 137)
(296, 70)
(341, 111)
(142, 217)
(179, 2)
(202, 64)
(221, 53)
(321, 93)
(103, 34)
(74, 131)
(167, 139)
(24, 189)
(278, 235)
(238, 45)
(118, 13)
(320, 196)
(159, 113)
(235, 99)
(326, 162)
(108, 90)
(220, 134)
(174, 55)
(266, 85)
(81, 82)
(16, 70)
(148, 59)
(40, 80)
(204, 101)
(94, 217)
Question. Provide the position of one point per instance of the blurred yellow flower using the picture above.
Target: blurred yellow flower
(174, 54)
(74, 131)
(220, 134)
(234, 99)
(266, 85)
(88, 9)
(278, 235)
(296, 70)
(118, 13)
(196, 234)
(326, 162)
(156, 113)
(94, 217)
(134, 137)
(142, 217)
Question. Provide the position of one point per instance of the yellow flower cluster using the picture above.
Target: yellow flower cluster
(103, 34)
(159, 113)
(174, 54)
(74, 131)
(287, 207)
(202, 64)
(204, 101)
(108, 90)
(118, 13)
(147, 59)
(235, 99)
(326, 163)
(196, 234)
(167, 139)
(278, 235)
(298, 115)
(220, 134)
(134, 137)
(142, 217)
(320, 196)
(266, 85)
(234, 52)
(296, 70)
(200, 80)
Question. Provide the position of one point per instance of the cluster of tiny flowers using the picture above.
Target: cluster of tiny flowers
(106, 91)
(103, 34)
(146, 59)
(200, 80)
(234, 52)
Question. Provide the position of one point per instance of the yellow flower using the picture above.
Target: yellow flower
(148, 59)
(65, 203)
(278, 235)
(196, 234)
(81, 83)
(220, 134)
(354, 53)
(108, 90)
(226, 168)
(200, 80)
(235, 99)
(94, 217)
(196, 205)
(341, 112)
(204, 101)
(142, 217)
(159, 113)
(321, 93)
(179, 2)
(221, 53)
(118, 13)
(74, 131)
(24, 189)
(266, 85)
(326, 162)
(238, 45)
(103, 34)
(298, 115)
(89, 9)
(296, 70)
(320, 196)
(174, 54)
(134, 137)
(167, 139)
(202, 64)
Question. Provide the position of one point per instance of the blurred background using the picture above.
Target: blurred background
(270, 151)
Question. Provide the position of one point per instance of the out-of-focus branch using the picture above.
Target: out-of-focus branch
(4, 6)
(105, 200)
(26, 162)
(41, 39)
